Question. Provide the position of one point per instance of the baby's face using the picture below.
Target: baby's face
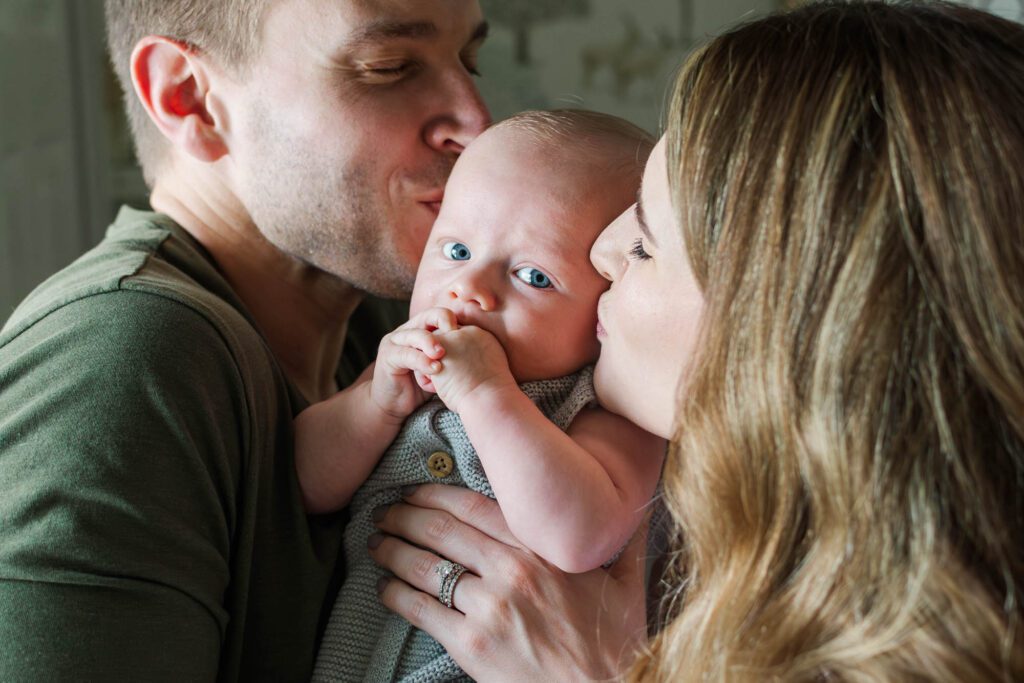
(510, 253)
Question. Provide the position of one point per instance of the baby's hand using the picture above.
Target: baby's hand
(473, 361)
(404, 358)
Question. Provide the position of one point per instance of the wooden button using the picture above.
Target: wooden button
(440, 464)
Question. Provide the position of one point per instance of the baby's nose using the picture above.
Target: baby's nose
(472, 289)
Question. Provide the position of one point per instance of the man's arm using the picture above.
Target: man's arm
(122, 426)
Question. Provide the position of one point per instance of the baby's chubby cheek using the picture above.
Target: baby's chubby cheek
(422, 296)
(554, 347)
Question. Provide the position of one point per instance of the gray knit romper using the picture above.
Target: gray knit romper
(364, 641)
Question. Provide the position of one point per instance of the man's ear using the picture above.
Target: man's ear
(172, 82)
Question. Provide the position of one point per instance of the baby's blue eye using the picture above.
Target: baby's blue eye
(533, 277)
(456, 251)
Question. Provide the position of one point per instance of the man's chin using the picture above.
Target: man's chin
(387, 288)
(390, 280)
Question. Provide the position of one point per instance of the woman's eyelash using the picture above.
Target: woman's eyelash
(638, 252)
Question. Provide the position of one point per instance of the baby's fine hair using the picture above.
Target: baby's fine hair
(586, 135)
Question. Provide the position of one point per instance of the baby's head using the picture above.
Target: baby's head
(510, 251)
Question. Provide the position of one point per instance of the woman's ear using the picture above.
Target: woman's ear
(172, 82)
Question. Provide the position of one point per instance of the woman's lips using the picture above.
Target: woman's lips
(433, 207)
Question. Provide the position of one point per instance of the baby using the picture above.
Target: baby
(502, 329)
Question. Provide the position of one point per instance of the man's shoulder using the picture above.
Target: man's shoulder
(145, 274)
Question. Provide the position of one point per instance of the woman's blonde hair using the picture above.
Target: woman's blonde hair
(848, 470)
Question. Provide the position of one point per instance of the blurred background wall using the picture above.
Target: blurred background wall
(66, 162)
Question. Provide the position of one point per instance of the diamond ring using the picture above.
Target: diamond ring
(450, 573)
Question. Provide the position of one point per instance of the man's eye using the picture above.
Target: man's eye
(386, 71)
(534, 277)
(456, 251)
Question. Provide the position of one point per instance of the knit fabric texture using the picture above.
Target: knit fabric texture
(364, 641)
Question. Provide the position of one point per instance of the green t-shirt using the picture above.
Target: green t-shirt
(151, 525)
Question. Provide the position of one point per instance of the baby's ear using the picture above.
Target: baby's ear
(172, 82)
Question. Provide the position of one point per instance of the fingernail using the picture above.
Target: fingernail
(407, 491)
(374, 540)
(379, 512)
(435, 367)
(382, 583)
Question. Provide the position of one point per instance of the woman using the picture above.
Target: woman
(838, 201)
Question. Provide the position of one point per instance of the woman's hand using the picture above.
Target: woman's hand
(516, 617)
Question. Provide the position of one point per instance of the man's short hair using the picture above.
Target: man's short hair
(229, 30)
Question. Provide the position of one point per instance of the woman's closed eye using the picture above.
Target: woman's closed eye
(637, 252)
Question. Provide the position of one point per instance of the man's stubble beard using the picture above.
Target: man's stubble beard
(328, 215)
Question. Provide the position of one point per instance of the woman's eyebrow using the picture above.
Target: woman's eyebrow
(641, 219)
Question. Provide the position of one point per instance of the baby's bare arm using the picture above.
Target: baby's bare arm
(574, 498)
(339, 441)
(337, 444)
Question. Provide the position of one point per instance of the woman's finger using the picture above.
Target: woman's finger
(519, 615)
(469, 507)
(439, 531)
(423, 611)
(418, 568)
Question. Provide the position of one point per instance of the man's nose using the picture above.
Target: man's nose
(465, 115)
(471, 288)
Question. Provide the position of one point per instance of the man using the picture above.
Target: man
(150, 521)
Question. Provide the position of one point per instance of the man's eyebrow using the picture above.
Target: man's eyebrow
(384, 29)
(641, 219)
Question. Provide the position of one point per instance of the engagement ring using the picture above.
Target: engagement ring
(450, 573)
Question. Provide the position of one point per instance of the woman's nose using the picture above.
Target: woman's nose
(472, 288)
(608, 254)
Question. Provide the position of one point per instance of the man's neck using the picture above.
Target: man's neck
(302, 311)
